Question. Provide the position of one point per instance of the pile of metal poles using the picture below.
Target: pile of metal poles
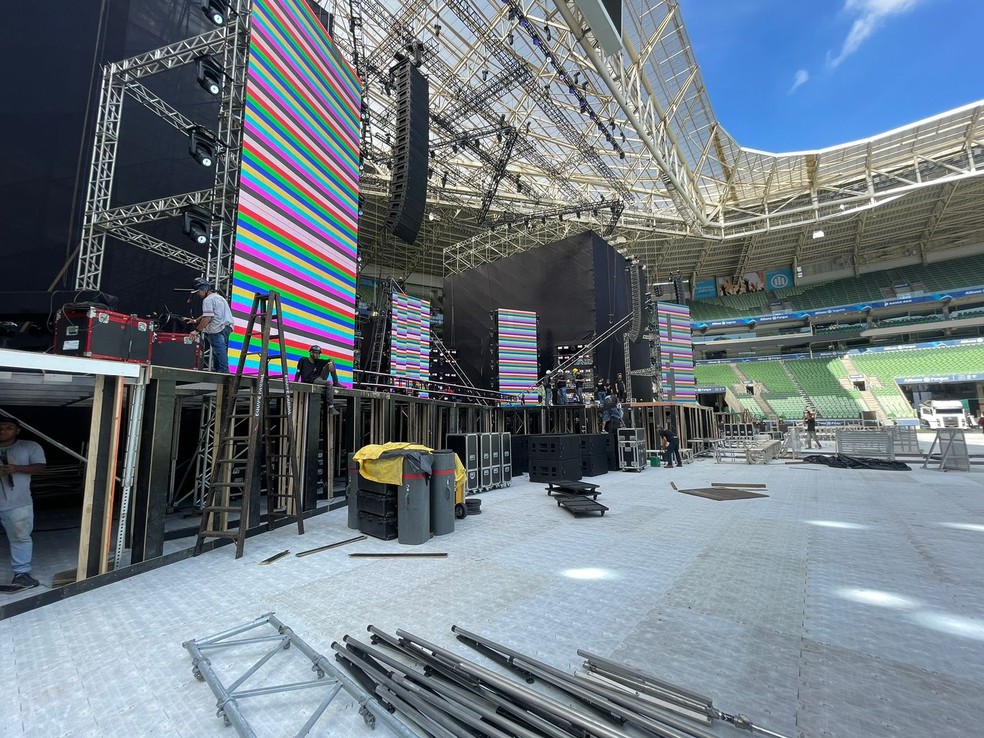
(449, 696)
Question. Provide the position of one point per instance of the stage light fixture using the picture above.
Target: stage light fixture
(201, 146)
(216, 11)
(209, 74)
(818, 233)
(195, 225)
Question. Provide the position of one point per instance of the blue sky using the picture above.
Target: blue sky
(792, 75)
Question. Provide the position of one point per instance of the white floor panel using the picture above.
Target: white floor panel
(846, 603)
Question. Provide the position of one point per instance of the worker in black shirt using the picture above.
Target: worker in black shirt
(619, 388)
(811, 430)
(561, 387)
(313, 369)
(671, 446)
(578, 386)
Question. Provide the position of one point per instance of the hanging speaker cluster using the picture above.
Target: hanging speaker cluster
(637, 289)
(408, 183)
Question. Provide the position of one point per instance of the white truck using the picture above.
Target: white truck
(942, 414)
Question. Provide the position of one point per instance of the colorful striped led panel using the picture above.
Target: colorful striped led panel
(410, 342)
(676, 352)
(298, 200)
(517, 354)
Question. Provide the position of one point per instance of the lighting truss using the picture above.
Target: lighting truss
(120, 78)
(695, 199)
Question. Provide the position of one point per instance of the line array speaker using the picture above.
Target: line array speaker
(408, 182)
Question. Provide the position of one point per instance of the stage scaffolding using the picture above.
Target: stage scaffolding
(230, 44)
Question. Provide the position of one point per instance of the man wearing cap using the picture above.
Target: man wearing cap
(314, 369)
(215, 324)
(18, 461)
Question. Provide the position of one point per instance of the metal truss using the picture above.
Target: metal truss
(165, 207)
(159, 107)
(182, 52)
(132, 236)
(119, 80)
(93, 246)
(488, 246)
(232, 108)
(615, 208)
(694, 197)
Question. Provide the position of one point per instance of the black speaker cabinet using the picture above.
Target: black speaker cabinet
(408, 181)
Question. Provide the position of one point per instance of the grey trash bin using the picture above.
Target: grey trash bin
(352, 492)
(413, 505)
(442, 493)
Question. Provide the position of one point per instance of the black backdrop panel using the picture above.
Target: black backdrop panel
(46, 141)
(578, 288)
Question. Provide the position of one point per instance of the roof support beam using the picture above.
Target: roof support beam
(675, 173)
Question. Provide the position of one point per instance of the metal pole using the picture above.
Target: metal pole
(468, 699)
(521, 692)
(414, 707)
(595, 696)
(138, 393)
(628, 671)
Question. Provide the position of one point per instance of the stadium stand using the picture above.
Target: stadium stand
(748, 403)
(778, 389)
(820, 381)
(936, 360)
(940, 276)
(826, 382)
(716, 375)
(771, 375)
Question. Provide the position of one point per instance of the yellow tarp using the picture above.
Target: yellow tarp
(390, 470)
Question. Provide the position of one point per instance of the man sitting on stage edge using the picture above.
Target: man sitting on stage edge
(215, 324)
(315, 370)
(18, 461)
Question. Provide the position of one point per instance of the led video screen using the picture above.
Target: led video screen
(410, 343)
(676, 352)
(516, 331)
(296, 229)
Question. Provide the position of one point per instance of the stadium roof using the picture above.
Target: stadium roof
(537, 135)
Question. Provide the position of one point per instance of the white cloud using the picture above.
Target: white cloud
(868, 16)
(799, 79)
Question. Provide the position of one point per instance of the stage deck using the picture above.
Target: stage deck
(847, 603)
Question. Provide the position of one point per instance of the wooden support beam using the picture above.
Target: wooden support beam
(100, 477)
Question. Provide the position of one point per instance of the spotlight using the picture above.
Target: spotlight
(209, 74)
(818, 233)
(216, 11)
(196, 224)
(201, 146)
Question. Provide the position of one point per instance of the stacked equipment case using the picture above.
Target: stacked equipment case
(632, 449)
(487, 458)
